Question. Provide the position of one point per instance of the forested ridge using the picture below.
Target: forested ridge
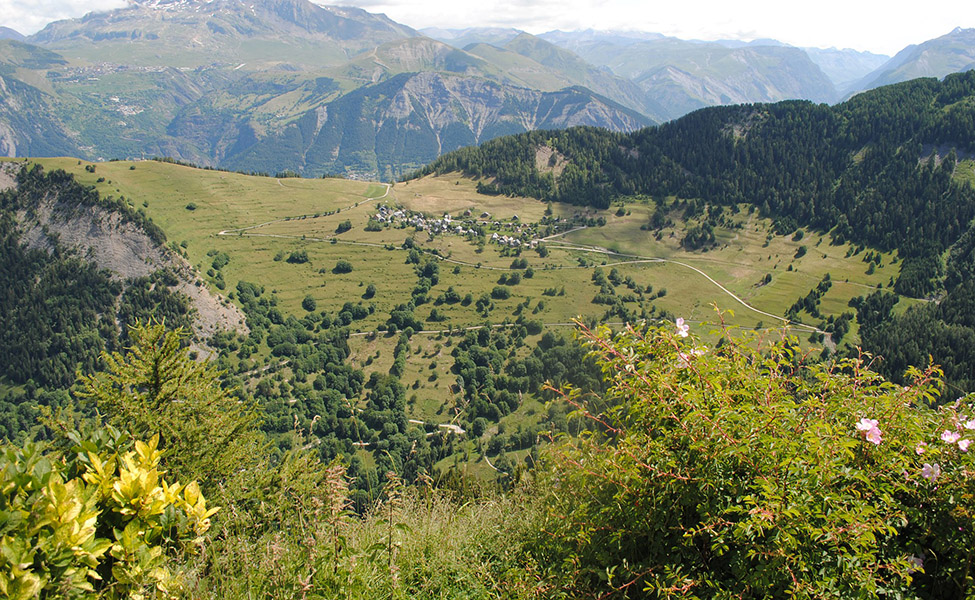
(878, 170)
(866, 169)
(60, 311)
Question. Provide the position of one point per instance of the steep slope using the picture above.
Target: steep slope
(683, 76)
(579, 72)
(845, 67)
(29, 122)
(383, 130)
(190, 33)
(77, 269)
(934, 58)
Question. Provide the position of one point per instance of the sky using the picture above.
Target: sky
(882, 27)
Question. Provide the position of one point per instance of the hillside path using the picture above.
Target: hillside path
(555, 244)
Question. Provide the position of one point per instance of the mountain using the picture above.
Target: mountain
(681, 76)
(684, 77)
(29, 121)
(548, 60)
(578, 41)
(219, 82)
(461, 38)
(7, 33)
(949, 53)
(385, 129)
(192, 33)
(743, 43)
(844, 67)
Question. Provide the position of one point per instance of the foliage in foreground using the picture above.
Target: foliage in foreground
(95, 520)
(741, 470)
(745, 471)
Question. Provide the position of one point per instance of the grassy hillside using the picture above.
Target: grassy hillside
(291, 236)
(257, 219)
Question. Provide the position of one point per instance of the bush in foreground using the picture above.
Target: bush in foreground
(95, 521)
(745, 470)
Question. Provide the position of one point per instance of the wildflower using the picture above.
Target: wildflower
(873, 436)
(970, 424)
(950, 437)
(866, 424)
(931, 472)
(920, 448)
(870, 429)
(682, 328)
(963, 445)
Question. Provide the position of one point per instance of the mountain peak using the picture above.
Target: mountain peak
(7, 33)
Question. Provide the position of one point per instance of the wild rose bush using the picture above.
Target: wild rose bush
(746, 470)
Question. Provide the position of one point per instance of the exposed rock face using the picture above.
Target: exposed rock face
(123, 248)
(384, 130)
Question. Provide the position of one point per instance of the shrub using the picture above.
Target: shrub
(93, 519)
(500, 293)
(747, 470)
(342, 266)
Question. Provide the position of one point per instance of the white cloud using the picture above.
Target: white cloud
(30, 16)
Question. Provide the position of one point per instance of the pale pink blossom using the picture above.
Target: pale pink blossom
(866, 424)
(931, 472)
(950, 437)
(963, 445)
(873, 436)
(920, 448)
(970, 424)
(682, 328)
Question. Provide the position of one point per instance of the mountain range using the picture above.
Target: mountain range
(278, 85)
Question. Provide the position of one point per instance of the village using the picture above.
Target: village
(511, 233)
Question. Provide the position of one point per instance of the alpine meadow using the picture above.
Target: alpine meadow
(298, 301)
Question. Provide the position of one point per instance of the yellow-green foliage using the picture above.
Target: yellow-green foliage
(93, 523)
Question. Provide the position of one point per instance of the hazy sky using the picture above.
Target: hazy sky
(883, 27)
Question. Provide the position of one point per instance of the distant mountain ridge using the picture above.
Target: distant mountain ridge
(7, 33)
(199, 32)
(385, 129)
(950, 53)
(684, 75)
(223, 81)
(220, 82)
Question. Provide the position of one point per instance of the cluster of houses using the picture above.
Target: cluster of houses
(512, 234)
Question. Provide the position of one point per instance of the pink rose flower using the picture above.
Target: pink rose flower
(950, 437)
(682, 329)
